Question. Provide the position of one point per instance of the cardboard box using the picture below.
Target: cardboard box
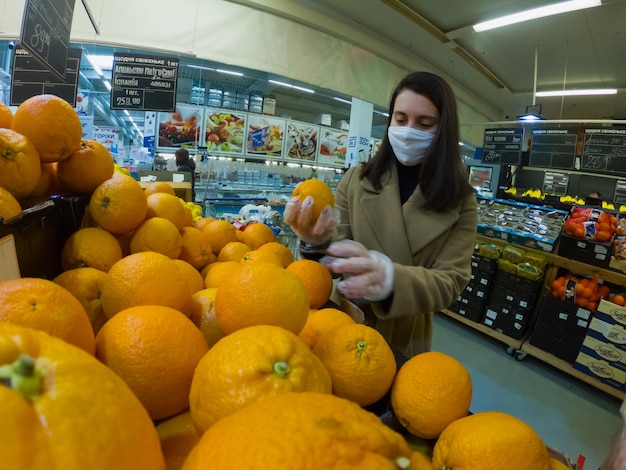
(611, 313)
(585, 251)
(557, 341)
(608, 332)
(601, 370)
(483, 264)
(510, 322)
(565, 314)
(536, 242)
(518, 283)
(470, 313)
(603, 350)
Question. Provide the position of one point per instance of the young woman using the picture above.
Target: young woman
(404, 223)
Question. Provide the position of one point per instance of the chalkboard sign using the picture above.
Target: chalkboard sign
(553, 148)
(144, 82)
(555, 183)
(604, 150)
(46, 32)
(29, 77)
(620, 192)
(503, 146)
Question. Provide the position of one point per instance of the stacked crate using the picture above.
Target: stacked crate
(472, 301)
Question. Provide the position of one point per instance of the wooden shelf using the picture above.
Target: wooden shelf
(569, 369)
(577, 267)
(502, 243)
(515, 343)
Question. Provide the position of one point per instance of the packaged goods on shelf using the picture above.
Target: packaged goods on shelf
(520, 223)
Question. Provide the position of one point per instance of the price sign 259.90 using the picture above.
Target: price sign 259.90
(127, 101)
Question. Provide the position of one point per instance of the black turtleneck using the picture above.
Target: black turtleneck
(408, 178)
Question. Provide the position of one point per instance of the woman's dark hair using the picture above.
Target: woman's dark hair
(443, 177)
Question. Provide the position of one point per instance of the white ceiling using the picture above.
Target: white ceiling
(581, 49)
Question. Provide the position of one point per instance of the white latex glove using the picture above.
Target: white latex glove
(368, 273)
(298, 216)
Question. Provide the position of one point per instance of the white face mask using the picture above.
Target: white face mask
(409, 144)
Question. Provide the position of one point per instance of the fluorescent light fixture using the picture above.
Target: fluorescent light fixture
(535, 13)
(201, 67)
(107, 84)
(126, 112)
(342, 100)
(599, 91)
(229, 72)
(289, 85)
(94, 63)
(533, 113)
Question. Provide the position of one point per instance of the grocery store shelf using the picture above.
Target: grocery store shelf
(609, 275)
(515, 343)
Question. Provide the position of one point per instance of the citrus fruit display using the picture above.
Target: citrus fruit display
(90, 247)
(9, 206)
(321, 321)
(6, 116)
(203, 315)
(20, 167)
(430, 391)
(118, 205)
(86, 285)
(155, 350)
(220, 233)
(190, 275)
(62, 408)
(177, 436)
(261, 294)
(233, 251)
(490, 439)
(158, 187)
(319, 191)
(145, 278)
(196, 247)
(166, 206)
(360, 362)
(284, 254)
(159, 235)
(256, 234)
(48, 183)
(218, 272)
(316, 278)
(252, 364)
(308, 430)
(51, 124)
(258, 256)
(44, 305)
(86, 168)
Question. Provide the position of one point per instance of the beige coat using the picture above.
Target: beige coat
(431, 253)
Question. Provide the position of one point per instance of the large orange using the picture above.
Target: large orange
(360, 362)
(202, 222)
(304, 430)
(257, 256)
(48, 181)
(9, 206)
(320, 192)
(155, 349)
(90, 246)
(118, 205)
(233, 251)
(256, 234)
(284, 253)
(166, 206)
(249, 365)
(190, 275)
(220, 233)
(158, 187)
(196, 247)
(159, 235)
(43, 305)
(81, 414)
(217, 272)
(431, 390)
(6, 116)
(145, 278)
(178, 436)
(86, 168)
(51, 124)
(86, 285)
(490, 439)
(320, 322)
(261, 294)
(316, 279)
(20, 168)
(203, 315)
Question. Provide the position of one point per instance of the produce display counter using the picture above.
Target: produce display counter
(182, 189)
(522, 346)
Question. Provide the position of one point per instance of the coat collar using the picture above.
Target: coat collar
(385, 215)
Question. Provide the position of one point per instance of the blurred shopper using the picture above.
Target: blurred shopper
(185, 163)
(404, 223)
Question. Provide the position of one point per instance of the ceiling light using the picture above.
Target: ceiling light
(533, 113)
(100, 62)
(289, 85)
(599, 91)
(106, 84)
(307, 90)
(230, 72)
(201, 67)
(276, 82)
(342, 100)
(534, 13)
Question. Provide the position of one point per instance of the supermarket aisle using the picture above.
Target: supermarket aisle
(568, 414)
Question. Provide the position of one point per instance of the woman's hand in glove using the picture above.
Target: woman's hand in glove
(368, 273)
(299, 217)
